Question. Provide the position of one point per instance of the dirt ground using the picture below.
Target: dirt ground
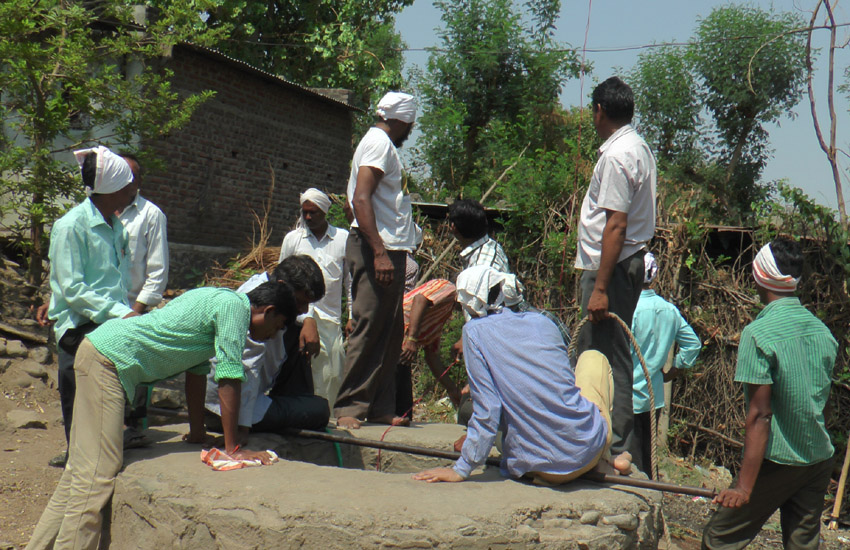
(26, 481)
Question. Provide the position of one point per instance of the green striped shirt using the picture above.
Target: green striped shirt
(182, 336)
(793, 351)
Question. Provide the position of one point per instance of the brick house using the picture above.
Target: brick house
(218, 168)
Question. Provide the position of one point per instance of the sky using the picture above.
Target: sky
(797, 156)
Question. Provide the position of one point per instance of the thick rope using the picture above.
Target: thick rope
(572, 353)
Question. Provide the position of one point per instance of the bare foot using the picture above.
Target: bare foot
(623, 463)
(459, 443)
(348, 423)
(391, 420)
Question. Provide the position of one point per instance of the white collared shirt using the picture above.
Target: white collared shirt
(329, 253)
(393, 211)
(146, 225)
(623, 181)
(486, 251)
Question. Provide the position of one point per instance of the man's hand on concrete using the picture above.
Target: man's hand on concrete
(734, 497)
(435, 475)
(597, 306)
(308, 341)
(383, 269)
(264, 457)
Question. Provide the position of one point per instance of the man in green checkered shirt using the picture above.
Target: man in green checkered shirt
(785, 361)
(122, 353)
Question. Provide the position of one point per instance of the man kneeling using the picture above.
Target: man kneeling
(555, 420)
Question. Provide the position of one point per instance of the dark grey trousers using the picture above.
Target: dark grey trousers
(374, 347)
(796, 491)
(608, 338)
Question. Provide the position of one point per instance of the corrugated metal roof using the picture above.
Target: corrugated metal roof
(242, 65)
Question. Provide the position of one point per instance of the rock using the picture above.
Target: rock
(168, 399)
(4, 366)
(22, 381)
(558, 523)
(41, 354)
(626, 522)
(590, 518)
(468, 531)
(16, 348)
(33, 368)
(19, 420)
(527, 533)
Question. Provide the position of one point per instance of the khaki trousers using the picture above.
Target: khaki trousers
(72, 518)
(596, 383)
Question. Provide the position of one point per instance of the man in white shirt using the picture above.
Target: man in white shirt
(616, 223)
(315, 237)
(382, 232)
(145, 224)
(277, 392)
(469, 225)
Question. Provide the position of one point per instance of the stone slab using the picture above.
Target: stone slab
(166, 498)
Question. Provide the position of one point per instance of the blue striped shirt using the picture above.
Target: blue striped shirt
(522, 382)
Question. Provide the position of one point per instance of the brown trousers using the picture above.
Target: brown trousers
(374, 347)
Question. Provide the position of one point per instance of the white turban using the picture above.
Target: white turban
(113, 172)
(768, 275)
(473, 290)
(650, 268)
(316, 197)
(398, 106)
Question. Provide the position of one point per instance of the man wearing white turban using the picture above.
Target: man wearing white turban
(89, 265)
(382, 232)
(785, 362)
(321, 331)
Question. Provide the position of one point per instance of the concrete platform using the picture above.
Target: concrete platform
(166, 498)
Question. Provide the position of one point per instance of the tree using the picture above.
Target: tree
(666, 102)
(752, 69)
(496, 76)
(73, 74)
(348, 44)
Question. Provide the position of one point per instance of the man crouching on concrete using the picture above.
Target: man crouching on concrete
(555, 420)
(112, 360)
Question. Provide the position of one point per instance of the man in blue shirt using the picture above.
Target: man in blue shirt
(657, 325)
(556, 420)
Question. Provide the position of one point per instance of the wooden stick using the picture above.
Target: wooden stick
(839, 496)
(25, 334)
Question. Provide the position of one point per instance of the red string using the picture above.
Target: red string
(410, 411)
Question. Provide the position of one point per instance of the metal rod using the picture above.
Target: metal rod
(491, 461)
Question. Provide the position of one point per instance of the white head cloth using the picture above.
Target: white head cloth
(318, 198)
(113, 172)
(768, 275)
(650, 268)
(473, 289)
(397, 105)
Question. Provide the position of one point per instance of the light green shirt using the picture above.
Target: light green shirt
(793, 351)
(89, 268)
(182, 336)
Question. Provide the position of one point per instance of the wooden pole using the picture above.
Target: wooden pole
(839, 496)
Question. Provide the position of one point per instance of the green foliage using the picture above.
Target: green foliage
(349, 44)
(747, 69)
(489, 90)
(72, 76)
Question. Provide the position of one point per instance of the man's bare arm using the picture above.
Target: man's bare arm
(613, 237)
(368, 178)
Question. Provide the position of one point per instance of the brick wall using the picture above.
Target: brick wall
(219, 165)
